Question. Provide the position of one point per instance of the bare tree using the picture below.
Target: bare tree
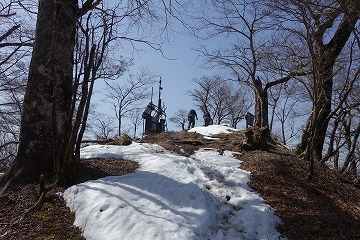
(180, 118)
(125, 97)
(248, 27)
(94, 39)
(221, 98)
(351, 139)
(238, 104)
(325, 28)
(343, 133)
(201, 95)
(219, 95)
(102, 127)
(205, 94)
(136, 120)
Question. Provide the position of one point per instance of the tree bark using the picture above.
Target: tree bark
(261, 113)
(46, 119)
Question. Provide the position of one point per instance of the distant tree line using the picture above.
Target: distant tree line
(224, 100)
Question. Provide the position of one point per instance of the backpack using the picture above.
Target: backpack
(192, 113)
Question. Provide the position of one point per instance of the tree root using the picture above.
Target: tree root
(43, 190)
(257, 139)
(10, 182)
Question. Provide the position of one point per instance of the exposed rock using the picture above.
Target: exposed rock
(123, 140)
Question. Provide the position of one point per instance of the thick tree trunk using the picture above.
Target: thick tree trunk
(258, 137)
(319, 119)
(261, 113)
(323, 58)
(46, 119)
(311, 147)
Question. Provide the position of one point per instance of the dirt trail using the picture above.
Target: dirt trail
(325, 208)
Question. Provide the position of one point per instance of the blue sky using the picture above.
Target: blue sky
(177, 75)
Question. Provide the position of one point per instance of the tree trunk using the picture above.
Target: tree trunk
(46, 119)
(320, 118)
(320, 115)
(261, 113)
(120, 116)
(313, 139)
(272, 115)
(283, 133)
(323, 59)
(119, 133)
(258, 137)
(85, 117)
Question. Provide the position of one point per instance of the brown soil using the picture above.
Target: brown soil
(52, 220)
(324, 208)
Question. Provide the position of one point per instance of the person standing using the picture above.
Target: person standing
(191, 118)
(207, 119)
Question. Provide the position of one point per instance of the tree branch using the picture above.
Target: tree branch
(284, 79)
(10, 31)
(89, 5)
(28, 44)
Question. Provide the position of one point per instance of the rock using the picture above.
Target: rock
(123, 140)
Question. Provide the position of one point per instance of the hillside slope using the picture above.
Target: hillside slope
(325, 208)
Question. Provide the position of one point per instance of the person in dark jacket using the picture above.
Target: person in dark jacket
(191, 118)
(207, 119)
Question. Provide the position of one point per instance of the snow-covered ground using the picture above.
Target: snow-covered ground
(204, 196)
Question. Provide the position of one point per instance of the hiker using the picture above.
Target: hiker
(191, 118)
(207, 119)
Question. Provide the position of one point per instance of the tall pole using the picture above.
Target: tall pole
(152, 93)
(159, 101)
(159, 110)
